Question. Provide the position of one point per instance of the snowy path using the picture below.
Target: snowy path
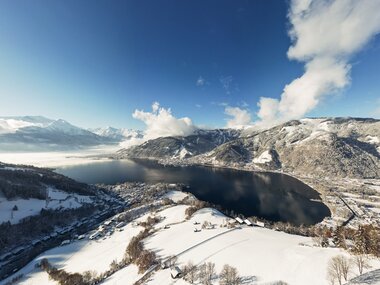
(206, 240)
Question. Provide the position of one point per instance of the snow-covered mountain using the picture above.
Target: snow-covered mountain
(200, 142)
(40, 133)
(118, 134)
(319, 147)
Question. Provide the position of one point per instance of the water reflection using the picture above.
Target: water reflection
(273, 196)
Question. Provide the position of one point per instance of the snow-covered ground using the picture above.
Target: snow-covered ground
(29, 207)
(261, 255)
(263, 158)
(176, 196)
(80, 256)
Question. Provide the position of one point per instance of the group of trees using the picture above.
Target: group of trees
(206, 273)
(135, 252)
(366, 240)
(65, 278)
(363, 240)
(339, 267)
(195, 205)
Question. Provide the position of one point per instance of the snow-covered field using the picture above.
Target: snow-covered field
(80, 256)
(175, 196)
(261, 255)
(29, 207)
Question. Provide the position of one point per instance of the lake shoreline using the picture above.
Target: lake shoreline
(271, 195)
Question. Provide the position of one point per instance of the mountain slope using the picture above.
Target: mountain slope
(344, 147)
(200, 142)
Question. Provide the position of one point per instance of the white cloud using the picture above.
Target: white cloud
(240, 118)
(161, 123)
(325, 35)
(200, 81)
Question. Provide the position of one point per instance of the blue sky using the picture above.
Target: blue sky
(94, 62)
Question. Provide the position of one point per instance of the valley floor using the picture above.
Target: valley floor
(262, 256)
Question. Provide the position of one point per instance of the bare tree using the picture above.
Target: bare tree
(206, 273)
(229, 276)
(89, 276)
(145, 260)
(210, 271)
(346, 266)
(338, 268)
(114, 265)
(202, 273)
(361, 261)
(190, 272)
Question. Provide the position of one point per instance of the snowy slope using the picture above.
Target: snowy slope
(30, 207)
(262, 256)
(80, 256)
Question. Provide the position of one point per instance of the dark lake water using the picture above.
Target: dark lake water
(273, 196)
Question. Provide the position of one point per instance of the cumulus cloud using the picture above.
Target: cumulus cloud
(160, 122)
(325, 34)
(240, 118)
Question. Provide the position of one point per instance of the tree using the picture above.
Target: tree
(325, 241)
(146, 260)
(206, 273)
(190, 272)
(338, 268)
(114, 265)
(15, 208)
(44, 264)
(229, 276)
(210, 271)
(346, 266)
(134, 248)
(361, 261)
(339, 238)
(89, 276)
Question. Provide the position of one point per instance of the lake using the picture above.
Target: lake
(273, 196)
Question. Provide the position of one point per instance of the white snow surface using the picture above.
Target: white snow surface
(373, 140)
(175, 196)
(265, 157)
(31, 207)
(262, 256)
(80, 256)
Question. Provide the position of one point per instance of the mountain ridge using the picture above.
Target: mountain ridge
(344, 147)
